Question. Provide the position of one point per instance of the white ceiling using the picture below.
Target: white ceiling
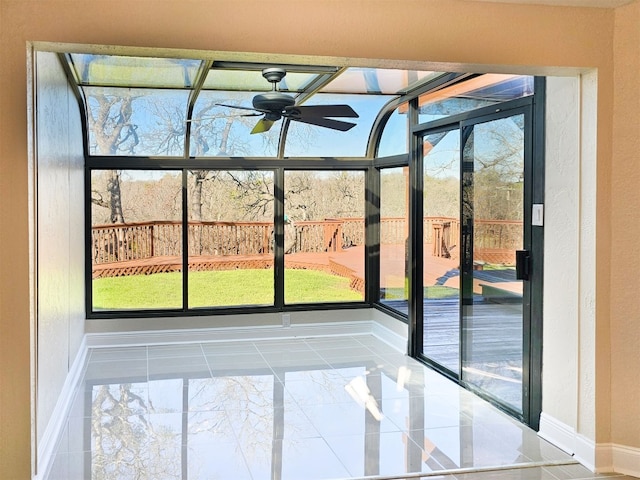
(572, 3)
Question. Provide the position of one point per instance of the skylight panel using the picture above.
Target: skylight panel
(121, 71)
(253, 81)
(377, 81)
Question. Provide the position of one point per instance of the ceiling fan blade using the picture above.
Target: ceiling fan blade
(239, 107)
(202, 119)
(326, 122)
(262, 126)
(320, 111)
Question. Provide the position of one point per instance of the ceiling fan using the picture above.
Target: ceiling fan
(275, 105)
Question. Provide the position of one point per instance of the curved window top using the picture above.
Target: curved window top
(311, 141)
(180, 107)
(395, 135)
(136, 121)
(220, 130)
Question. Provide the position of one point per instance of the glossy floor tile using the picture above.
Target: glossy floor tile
(300, 409)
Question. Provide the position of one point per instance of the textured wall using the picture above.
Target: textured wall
(60, 238)
(625, 230)
(561, 227)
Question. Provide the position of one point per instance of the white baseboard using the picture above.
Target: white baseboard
(626, 460)
(566, 438)
(47, 445)
(388, 336)
(557, 433)
(599, 458)
(620, 458)
(604, 458)
(228, 334)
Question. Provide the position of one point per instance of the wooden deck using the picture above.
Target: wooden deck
(348, 263)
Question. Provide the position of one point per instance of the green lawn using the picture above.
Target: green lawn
(218, 288)
(431, 292)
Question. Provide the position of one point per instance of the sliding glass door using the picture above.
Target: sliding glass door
(493, 161)
(476, 294)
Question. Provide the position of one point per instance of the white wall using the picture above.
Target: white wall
(569, 387)
(60, 236)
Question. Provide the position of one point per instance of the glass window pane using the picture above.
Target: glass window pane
(395, 136)
(252, 80)
(218, 129)
(377, 81)
(114, 70)
(394, 231)
(136, 235)
(441, 179)
(324, 236)
(230, 238)
(129, 121)
(475, 93)
(493, 213)
(305, 140)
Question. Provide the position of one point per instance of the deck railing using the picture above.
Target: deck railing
(137, 241)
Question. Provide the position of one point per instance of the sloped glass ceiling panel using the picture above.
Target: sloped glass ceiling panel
(305, 140)
(377, 81)
(220, 130)
(130, 121)
(119, 71)
(253, 81)
(477, 92)
(138, 106)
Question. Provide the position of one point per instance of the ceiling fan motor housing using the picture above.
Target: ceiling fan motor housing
(273, 102)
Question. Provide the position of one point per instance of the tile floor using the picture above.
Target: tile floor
(301, 409)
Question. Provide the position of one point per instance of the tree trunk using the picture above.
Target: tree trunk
(115, 197)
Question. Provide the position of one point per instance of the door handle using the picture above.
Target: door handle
(523, 263)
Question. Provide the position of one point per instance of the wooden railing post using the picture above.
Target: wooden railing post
(265, 239)
(327, 236)
(152, 230)
(437, 239)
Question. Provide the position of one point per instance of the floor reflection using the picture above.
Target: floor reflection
(317, 408)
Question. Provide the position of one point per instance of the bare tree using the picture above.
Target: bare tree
(110, 197)
(111, 132)
(254, 192)
(110, 121)
(300, 205)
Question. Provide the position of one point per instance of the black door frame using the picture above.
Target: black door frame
(533, 108)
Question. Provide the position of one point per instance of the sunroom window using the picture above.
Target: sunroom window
(202, 202)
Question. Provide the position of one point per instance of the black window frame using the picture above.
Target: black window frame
(371, 165)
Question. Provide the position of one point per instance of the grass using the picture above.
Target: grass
(431, 292)
(437, 292)
(218, 288)
(497, 266)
